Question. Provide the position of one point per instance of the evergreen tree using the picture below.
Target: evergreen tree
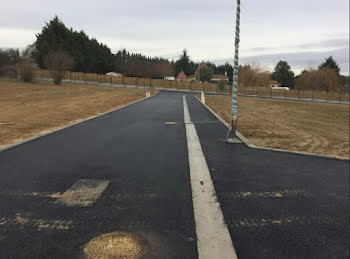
(137, 65)
(331, 64)
(184, 63)
(283, 74)
(89, 55)
(205, 74)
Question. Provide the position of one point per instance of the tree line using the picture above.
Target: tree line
(81, 53)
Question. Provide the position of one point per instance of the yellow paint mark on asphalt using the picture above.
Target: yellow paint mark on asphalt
(246, 194)
(55, 195)
(270, 194)
(277, 221)
(21, 222)
(266, 222)
(169, 122)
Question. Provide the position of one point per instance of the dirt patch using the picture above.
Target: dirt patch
(320, 128)
(27, 109)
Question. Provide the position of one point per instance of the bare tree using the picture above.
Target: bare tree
(324, 79)
(253, 76)
(25, 70)
(58, 63)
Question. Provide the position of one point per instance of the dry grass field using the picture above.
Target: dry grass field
(27, 109)
(301, 126)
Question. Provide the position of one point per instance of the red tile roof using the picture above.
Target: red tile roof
(181, 75)
(220, 77)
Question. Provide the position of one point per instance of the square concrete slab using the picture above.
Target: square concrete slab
(83, 193)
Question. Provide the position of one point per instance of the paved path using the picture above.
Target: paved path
(275, 205)
(149, 190)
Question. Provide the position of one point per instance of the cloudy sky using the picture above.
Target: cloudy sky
(302, 32)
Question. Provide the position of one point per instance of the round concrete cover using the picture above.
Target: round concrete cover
(118, 245)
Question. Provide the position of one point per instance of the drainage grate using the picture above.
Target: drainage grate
(118, 244)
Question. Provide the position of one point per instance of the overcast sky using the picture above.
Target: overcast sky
(302, 32)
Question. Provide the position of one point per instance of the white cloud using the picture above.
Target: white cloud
(204, 27)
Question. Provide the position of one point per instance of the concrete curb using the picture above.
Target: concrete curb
(50, 131)
(251, 145)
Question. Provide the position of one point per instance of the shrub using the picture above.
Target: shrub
(324, 79)
(8, 71)
(221, 85)
(205, 74)
(58, 63)
(25, 71)
(253, 76)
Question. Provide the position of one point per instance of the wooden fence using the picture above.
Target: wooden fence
(293, 94)
(88, 78)
(341, 96)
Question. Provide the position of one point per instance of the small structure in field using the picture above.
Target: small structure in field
(215, 78)
(218, 78)
(274, 84)
(113, 74)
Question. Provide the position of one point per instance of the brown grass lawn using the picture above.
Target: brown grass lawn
(300, 126)
(29, 108)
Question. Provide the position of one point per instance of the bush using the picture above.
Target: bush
(25, 71)
(58, 63)
(253, 76)
(324, 79)
(205, 74)
(8, 71)
(222, 85)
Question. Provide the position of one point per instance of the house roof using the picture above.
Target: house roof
(181, 75)
(219, 77)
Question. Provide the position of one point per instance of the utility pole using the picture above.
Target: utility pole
(231, 136)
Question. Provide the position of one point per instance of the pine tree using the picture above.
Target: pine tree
(331, 64)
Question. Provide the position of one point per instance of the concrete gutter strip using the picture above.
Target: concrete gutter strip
(213, 237)
(50, 131)
(251, 145)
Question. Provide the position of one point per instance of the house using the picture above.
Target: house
(113, 74)
(274, 84)
(217, 78)
(181, 76)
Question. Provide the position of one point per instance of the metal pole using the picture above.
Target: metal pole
(232, 134)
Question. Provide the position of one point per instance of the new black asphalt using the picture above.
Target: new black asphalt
(149, 193)
(276, 205)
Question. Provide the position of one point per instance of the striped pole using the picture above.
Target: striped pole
(235, 74)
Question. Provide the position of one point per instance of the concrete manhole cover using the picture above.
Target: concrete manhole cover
(123, 245)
